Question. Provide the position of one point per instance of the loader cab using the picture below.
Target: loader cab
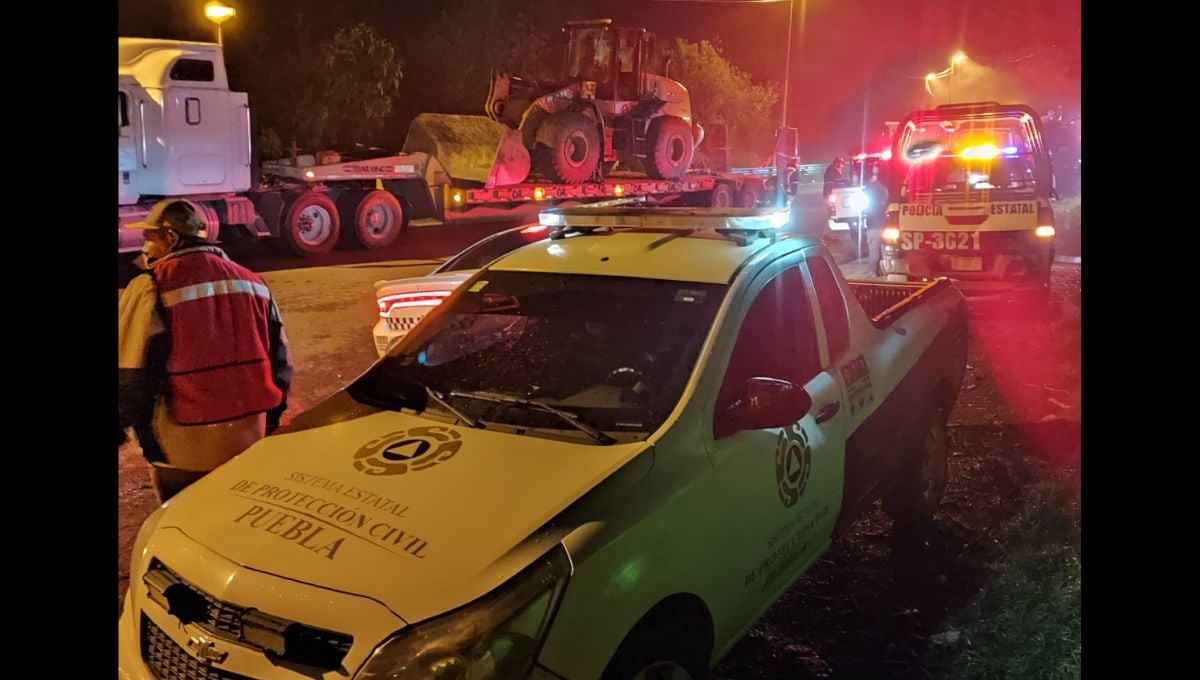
(613, 57)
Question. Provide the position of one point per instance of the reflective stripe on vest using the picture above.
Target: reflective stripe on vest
(212, 289)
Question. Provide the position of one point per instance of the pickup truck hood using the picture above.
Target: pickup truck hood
(402, 509)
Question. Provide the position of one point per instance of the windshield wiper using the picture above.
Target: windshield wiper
(446, 405)
(594, 433)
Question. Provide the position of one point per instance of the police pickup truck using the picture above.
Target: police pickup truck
(605, 455)
(972, 185)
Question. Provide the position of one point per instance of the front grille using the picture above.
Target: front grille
(290, 640)
(222, 616)
(168, 661)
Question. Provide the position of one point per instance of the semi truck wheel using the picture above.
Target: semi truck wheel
(722, 196)
(378, 220)
(749, 196)
(311, 225)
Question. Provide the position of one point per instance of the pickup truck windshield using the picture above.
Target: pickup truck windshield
(616, 352)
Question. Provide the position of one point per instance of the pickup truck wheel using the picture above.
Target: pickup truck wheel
(919, 491)
(657, 652)
(662, 670)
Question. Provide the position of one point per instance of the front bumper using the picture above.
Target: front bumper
(843, 223)
(129, 657)
(997, 273)
(155, 644)
(386, 336)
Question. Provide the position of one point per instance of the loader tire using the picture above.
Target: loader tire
(570, 150)
(670, 152)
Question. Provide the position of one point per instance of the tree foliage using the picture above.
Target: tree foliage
(353, 91)
(723, 93)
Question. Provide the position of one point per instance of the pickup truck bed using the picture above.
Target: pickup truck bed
(886, 302)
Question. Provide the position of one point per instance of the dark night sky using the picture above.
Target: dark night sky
(857, 60)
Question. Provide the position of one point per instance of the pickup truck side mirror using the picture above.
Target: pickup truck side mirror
(766, 403)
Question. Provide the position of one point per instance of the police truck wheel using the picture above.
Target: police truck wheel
(670, 153)
(722, 196)
(378, 220)
(311, 225)
(922, 482)
(569, 148)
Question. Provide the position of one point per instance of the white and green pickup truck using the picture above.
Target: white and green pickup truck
(604, 456)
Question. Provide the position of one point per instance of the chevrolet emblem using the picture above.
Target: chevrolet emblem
(206, 650)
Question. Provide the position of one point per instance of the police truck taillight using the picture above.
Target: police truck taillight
(1045, 222)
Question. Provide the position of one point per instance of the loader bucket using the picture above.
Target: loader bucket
(472, 148)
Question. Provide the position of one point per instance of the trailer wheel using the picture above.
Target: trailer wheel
(568, 149)
(311, 226)
(749, 196)
(722, 196)
(378, 220)
(670, 153)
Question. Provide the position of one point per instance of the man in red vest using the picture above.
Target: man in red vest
(203, 366)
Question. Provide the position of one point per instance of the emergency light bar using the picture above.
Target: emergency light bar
(737, 224)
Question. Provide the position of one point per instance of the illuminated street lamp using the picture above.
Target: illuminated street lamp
(218, 13)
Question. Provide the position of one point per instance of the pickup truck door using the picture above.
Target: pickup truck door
(780, 488)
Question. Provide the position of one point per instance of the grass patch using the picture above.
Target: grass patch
(1025, 623)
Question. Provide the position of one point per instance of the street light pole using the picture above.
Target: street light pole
(958, 58)
(219, 13)
(787, 61)
(783, 134)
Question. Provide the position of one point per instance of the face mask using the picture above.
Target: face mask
(156, 249)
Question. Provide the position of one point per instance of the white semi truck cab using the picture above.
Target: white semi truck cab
(182, 132)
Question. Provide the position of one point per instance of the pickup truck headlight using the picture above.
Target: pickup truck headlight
(494, 638)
